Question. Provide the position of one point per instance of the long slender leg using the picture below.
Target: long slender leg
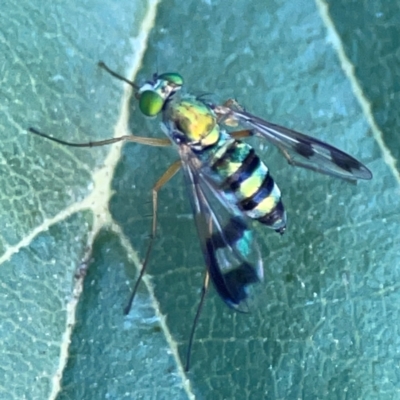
(156, 142)
(128, 138)
(196, 318)
(101, 64)
(168, 174)
(242, 134)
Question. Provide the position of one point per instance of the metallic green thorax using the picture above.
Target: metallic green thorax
(195, 120)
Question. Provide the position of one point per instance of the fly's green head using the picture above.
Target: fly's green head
(153, 95)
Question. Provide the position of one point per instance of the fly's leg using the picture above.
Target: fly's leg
(168, 174)
(224, 116)
(196, 318)
(155, 142)
(227, 120)
(242, 134)
(101, 64)
(128, 138)
(224, 112)
(171, 171)
(232, 103)
(204, 290)
(288, 157)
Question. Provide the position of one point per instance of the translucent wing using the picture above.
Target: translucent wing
(299, 149)
(226, 241)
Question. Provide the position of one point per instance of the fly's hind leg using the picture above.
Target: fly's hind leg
(168, 174)
(224, 112)
(225, 118)
(204, 290)
(233, 104)
(242, 134)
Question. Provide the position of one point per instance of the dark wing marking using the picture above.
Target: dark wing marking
(226, 244)
(299, 149)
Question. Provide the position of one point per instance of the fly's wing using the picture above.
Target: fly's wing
(226, 241)
(299, 149)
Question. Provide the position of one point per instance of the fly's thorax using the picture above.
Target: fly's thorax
(195, 122)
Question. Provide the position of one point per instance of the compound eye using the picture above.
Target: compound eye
(172, 78)
(150, 103)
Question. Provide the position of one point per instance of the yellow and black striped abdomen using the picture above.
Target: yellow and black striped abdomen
(241, 173)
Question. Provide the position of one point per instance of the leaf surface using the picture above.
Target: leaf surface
(325, 322)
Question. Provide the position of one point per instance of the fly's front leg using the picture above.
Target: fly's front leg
(101, 64)
(155, 142)
(168, 174)
(126, 138)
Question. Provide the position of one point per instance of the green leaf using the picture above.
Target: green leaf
(325, 323)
